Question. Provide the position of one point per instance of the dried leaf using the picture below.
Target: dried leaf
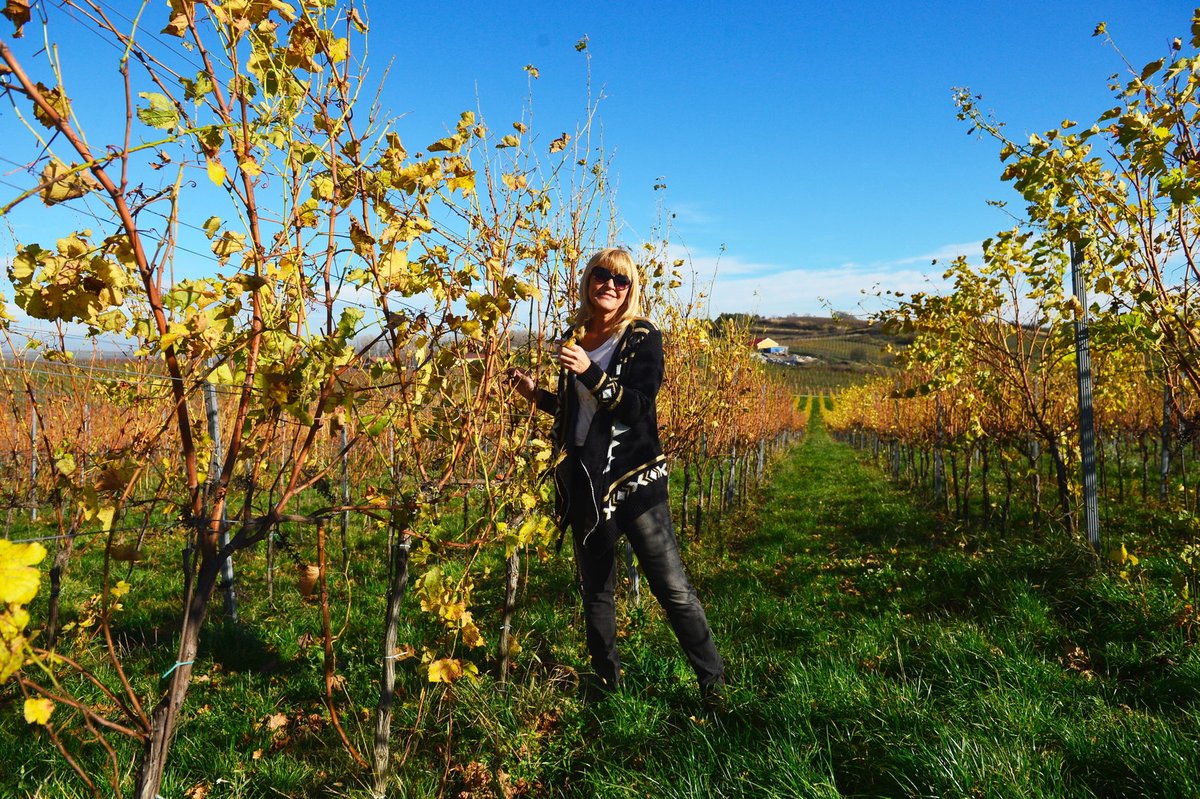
(197, 791)
(560, 144)
(449, 144)
(364, 243)
(57, 99)
(61, 183)
(17, 12)
(178, 24)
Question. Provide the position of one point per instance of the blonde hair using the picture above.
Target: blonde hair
(618, 261)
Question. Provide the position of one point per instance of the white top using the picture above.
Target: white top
(602, 357)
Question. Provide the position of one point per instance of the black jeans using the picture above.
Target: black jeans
(653, 538)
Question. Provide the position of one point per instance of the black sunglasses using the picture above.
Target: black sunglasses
(602, 275)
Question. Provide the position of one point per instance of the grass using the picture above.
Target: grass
(873, 650)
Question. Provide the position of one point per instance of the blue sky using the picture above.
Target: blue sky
(812, 146)
(816, 142)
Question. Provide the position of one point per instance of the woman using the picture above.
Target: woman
(613, 478)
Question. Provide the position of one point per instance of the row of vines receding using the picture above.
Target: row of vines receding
(986, 412)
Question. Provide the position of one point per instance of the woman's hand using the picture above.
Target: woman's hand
(525, 385)
(574, 358)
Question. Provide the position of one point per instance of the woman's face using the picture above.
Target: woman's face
(605, 295)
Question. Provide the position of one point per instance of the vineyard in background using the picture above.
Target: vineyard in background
(827, 354)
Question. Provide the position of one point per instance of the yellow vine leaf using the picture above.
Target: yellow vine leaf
(450, 670)
(445, 670)
(175, 332)
(64, 464)
(38, 710)
(338, 50)
(470, 632)
(216, 172)
(160, 113)
(12, 643)
(18, 577)
(464, 183)
(1122, 555)
(514, 182)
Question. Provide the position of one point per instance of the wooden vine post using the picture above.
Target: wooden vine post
(1087, 424)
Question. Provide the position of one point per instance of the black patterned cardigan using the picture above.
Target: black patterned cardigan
(621, 456)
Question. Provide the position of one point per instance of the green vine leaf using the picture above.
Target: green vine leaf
(161, 113)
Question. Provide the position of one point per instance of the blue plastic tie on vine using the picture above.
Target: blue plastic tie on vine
(178, 663)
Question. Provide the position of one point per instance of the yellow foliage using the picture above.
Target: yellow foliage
(450, 670)
(470, 633)
(38, 710)
(12, 643)
(216, 172)
(18, 577)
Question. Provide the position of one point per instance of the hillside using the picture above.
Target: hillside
(845, 350)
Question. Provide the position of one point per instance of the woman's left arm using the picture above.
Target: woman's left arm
(630, 396)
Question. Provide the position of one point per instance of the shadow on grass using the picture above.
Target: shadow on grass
(233, 646)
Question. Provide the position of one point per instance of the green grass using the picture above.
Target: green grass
(873, 650)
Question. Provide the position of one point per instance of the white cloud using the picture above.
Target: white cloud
(775, 290)
(947, 252)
